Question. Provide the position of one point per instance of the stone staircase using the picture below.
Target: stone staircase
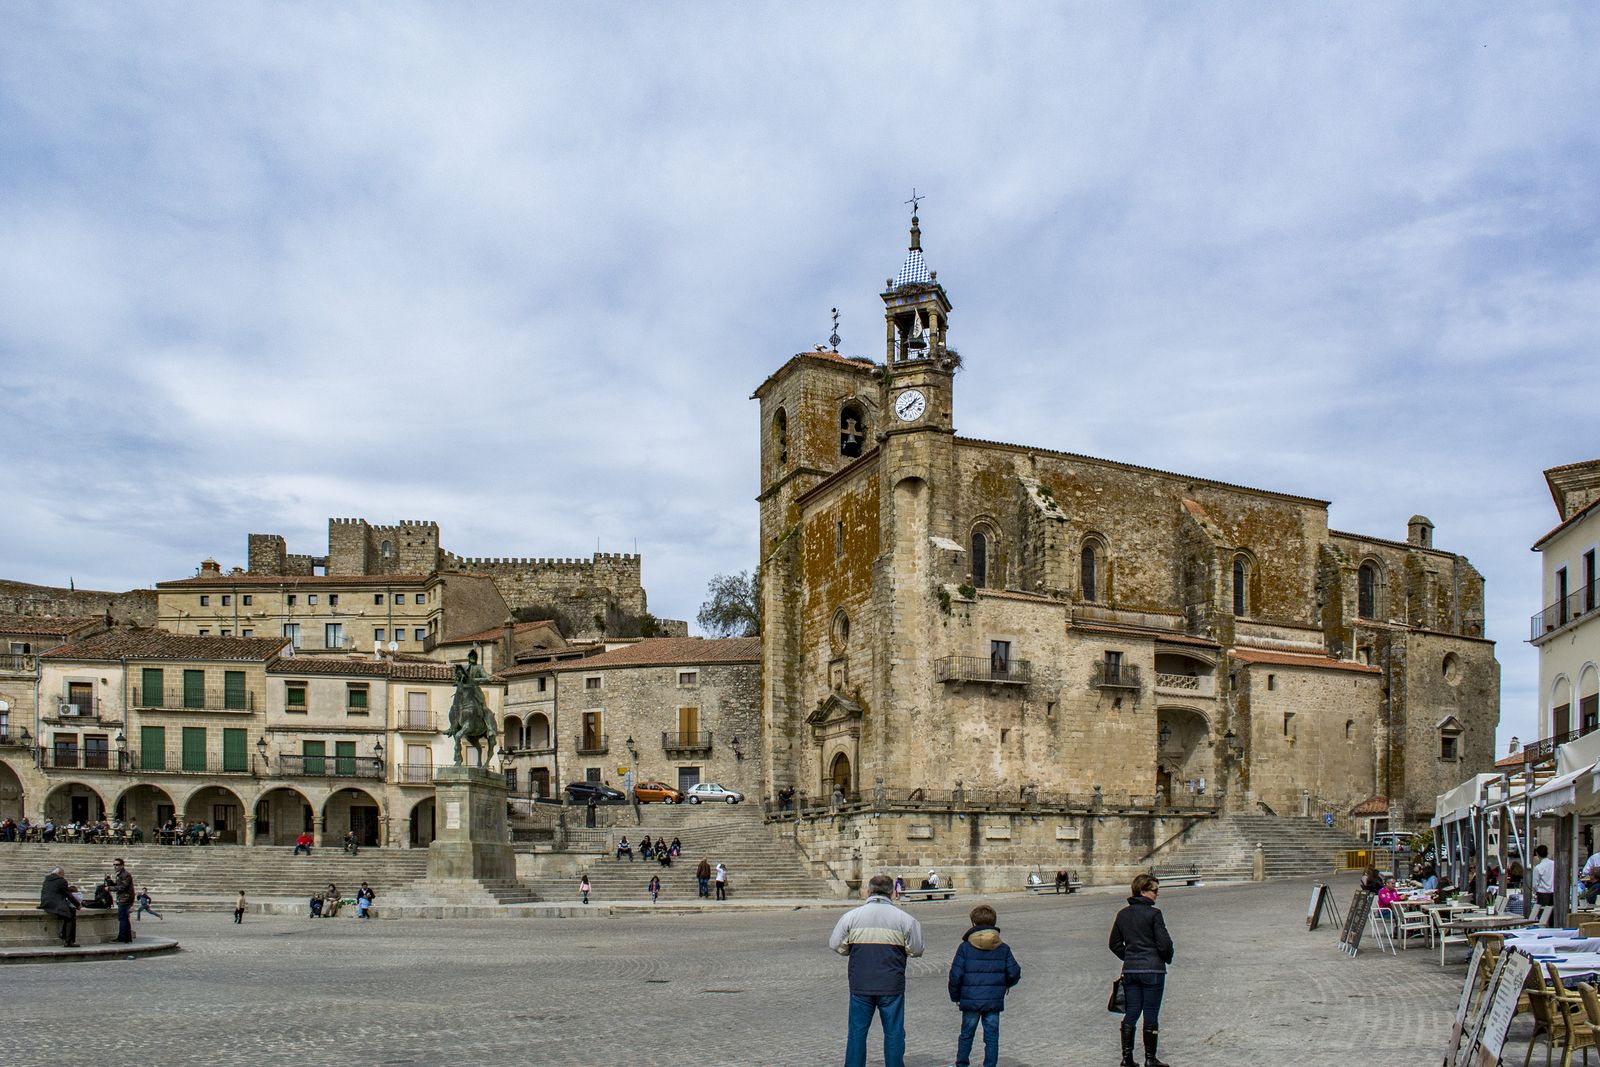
(476, 892)
(1224, 848)
(178, 876)
(761, 864)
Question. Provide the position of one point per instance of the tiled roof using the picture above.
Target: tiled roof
(124, 642)
(225, 581)
(1371, 806)
(1505, 762)
(494, 632)
(665, 651)
(865, 365)
(1571, 520)
(1294, 659)
(366, 667)
(1407, 545)
(51, 625)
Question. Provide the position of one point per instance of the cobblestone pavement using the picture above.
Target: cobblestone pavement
(1250, 985)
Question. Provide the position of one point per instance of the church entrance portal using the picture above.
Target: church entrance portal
(839, 773)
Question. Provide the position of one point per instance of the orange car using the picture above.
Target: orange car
(648, 792)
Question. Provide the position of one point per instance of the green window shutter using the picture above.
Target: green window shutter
(194, 748)
(314, 753)
(235, 755)
(344, 758)
(233, 690)
(152, 688)
(153, 748)
(194, 689)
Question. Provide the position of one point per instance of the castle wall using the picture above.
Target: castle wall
(136, 606)
(584, 585)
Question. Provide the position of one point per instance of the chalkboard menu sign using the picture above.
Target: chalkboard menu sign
(1355, 922)
(1321, 904)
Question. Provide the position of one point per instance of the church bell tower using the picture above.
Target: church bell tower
(919, 361)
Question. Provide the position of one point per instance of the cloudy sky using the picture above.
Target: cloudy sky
(516, 268)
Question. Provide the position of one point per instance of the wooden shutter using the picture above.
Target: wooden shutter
(344, 758)
(233, 690)
(194, 689)
(235, 754)
(314, 751)
(153, 748)
(194, 748)
(152, 688)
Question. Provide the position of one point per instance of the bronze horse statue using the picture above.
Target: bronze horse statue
(470, 718)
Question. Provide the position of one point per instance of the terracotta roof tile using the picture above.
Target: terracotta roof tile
(224, 581)
(360, 667)
(665, 651)
(140, 643)
(494, 632)
(51, 625)
(1371, 806)
(1295, 659)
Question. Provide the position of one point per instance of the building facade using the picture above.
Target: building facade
(951, 617)
(1567, 631)
(677, 710)
(234, 732)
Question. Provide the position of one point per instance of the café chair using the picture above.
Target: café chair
(1410, 921)
(1577, 1033)
(1589, 929)
(1545, 1010)
(1446, 938)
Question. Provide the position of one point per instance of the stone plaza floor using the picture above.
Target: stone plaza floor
(1250, 985)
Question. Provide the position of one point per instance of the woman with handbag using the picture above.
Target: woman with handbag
(1140, 940)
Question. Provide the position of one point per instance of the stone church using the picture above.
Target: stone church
(947, 620)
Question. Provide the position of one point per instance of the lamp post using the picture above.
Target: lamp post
(261, 751)
(122, 750)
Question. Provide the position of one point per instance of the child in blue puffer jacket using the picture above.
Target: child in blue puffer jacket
(982, 971)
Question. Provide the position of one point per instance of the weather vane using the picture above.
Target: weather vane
(833, 339)
(915, 200)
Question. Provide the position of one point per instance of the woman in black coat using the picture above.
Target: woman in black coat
(55, 897)
(1140, 940)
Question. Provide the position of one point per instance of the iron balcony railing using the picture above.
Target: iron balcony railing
(686, 742)
(1569, 608)
(75, 759)
(1545, 748)
(83, 708)
(415, 720)
(1116, 676)
(415, 774)
(17, 662)
(592, 744)
(173, 700)
(301, 766)
(1002, 671)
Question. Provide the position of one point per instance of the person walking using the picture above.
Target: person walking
(1140, 940)
(122, 892)
(55, 897)
(143, 900)
(982, 971)
(878, 937)
(721, 878)
(655, 887)
(583, 887)
(1544, 877)
(238, 909)
(702, 874)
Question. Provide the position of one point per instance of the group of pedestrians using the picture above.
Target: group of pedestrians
(878, 937)
(61, 898)
(706, 875)
(325, 905)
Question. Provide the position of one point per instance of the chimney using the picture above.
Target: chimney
(210, 568)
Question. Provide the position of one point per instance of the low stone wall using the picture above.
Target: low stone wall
(23, 927)
(985, 850)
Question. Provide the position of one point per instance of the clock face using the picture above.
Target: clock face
(910, 405)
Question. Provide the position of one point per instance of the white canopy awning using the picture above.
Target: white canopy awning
(1458, 803)
(1560, 794)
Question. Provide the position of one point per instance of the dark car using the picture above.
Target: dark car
(585, 792)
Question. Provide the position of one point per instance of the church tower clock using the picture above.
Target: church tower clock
(919, 363)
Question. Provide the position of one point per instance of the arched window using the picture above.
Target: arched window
(1241, 586)
(780, 435)
(980, 559)
(386, 550)
(1092, 569)
(1367, 591)
(852, 430)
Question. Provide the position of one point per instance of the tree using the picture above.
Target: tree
(732, 607)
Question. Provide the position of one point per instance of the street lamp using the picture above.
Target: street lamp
(261, 751)
(633, 751)
(1165, 734)
(122, 749)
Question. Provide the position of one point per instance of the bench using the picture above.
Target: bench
(1071, 885)
(1189, 875)
(944, 892)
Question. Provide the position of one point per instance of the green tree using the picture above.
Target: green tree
(732, 607)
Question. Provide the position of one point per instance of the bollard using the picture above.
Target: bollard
(1259, 873)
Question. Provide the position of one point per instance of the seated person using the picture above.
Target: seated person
(1370, 880)
(102, 895)
(1430, 878)
(1589, 878)
(664, 856)
(677, 848)
(624, 849)
(647, 850)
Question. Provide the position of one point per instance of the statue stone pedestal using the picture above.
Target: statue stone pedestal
(471, 840)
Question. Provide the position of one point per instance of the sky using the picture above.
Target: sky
(516, 268)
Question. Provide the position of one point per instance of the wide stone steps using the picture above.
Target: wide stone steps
(1224, 849)
(217, 871)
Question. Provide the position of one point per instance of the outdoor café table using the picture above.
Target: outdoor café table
(1468, 924)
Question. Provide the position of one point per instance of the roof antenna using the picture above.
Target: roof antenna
(833, 338)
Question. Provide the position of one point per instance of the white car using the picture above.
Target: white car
(711, 791)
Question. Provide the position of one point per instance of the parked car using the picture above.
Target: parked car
(584, 792)
(708, 791)
(1392, 840)
(651, 792)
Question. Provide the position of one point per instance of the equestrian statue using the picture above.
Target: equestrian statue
(470, 718)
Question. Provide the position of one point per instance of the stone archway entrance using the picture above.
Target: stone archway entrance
(1183, 754)
(73, 802)
(222, 810)
(148, 805)
(282, 814)
(355, 810)
(12, 796)
(839, 775)
(422, 826)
